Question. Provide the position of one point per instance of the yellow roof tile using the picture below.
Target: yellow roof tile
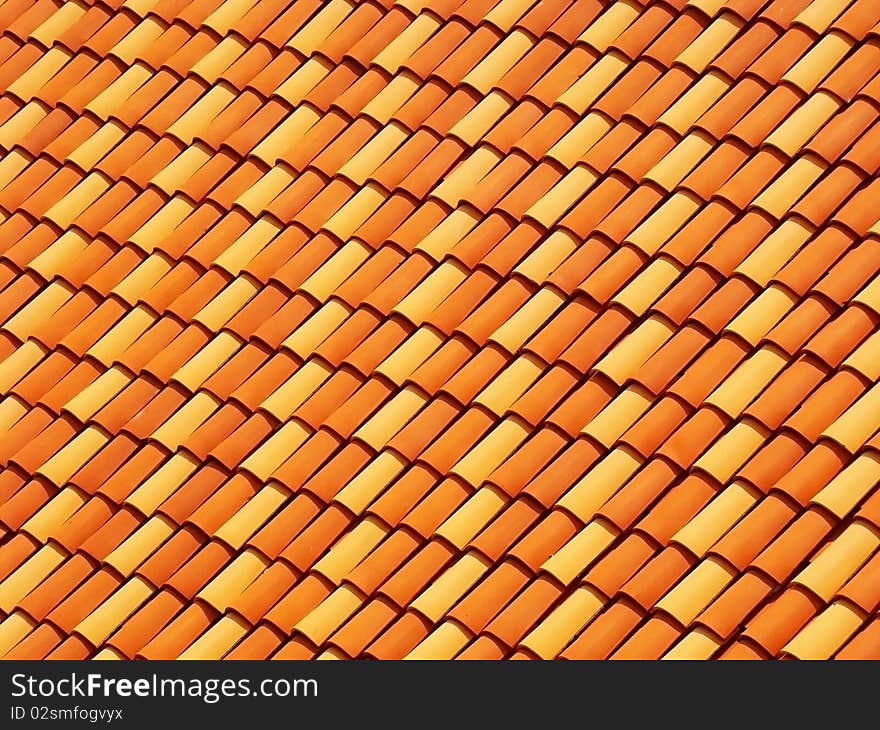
(749, 379)
(22, 360)
(603, 31)
(162, 483)
(710, 7)
(684, 157)
(627, 356)
(796, 129)
(186, 420)
(600, 483)
(39, 309)
(157, 228)
(252, 514)
(498, 61)
(97, 394)
(857, 423)
(544, 259)
(839, 560)
(11, 410)
(125, 332)
(45, 523)
(550, 636)
(417, 348)
(551, 206)
(66, 210)
(273, 452)
(96, 145)
(172, 177)
(309, 38)
(465, 176)
(113, 98)
(870, 295)
(108, 653)
(450, 586)
(391, 417)
(65, 249)
(295, 87)
(762, 314)
(370, 482)
(472, 127)
(491, 450)
(330, 614)
(255, 198)
(844, 492)
(698, 644)
(144, 276)
(711, 523)
(702, 51)
(58, 23)
(244, 248)
(296, 124)
(218, 639)
(291, 394)
(200, 114)
(29, 575)
(731, 451)
(12, 164)
(355, 212)
(621, 413)
(697, 590)
(138, 39)
(227, 585)
(402, 47)
(444, 642)
(580, 139)
(60, 467)
(13, 629)
(819, 15)
(510, 383)
(142, 543)
(526, 320)
(826, 633)
(695, 102)
(107, 617)
(819, 61)
(20, 123)
(219, 58)
(663, 223)
(336, 270)
(195, 371)
(866, 358)
(463, 525)
(353, 547)
(392, 96)
(775, 251)
(648, 286)
(581, 551)
(448, 233)
(317, 328)
(225, 16)
(589, 87)
(506, 12)
(439, 284)
(368, 158)
(27, 85)
(778, 198)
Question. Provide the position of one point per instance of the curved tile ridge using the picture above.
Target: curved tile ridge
(473, 329)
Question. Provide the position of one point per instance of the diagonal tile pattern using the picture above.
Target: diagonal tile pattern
(481, 329)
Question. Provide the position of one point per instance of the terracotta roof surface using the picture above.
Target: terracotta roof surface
(439, 329)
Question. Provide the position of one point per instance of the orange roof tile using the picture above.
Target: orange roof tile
(440, 330)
